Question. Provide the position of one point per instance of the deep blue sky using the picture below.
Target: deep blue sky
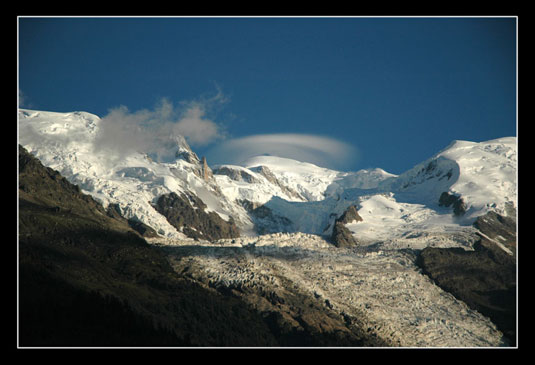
(397, 89)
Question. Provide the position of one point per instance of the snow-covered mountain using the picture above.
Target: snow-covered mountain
(286, 210)
(436, 202)
(67, 142)
(474, 177)
(294, 196)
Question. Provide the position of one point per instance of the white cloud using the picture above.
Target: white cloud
(154, 131)
(197, 129)
(319, 150)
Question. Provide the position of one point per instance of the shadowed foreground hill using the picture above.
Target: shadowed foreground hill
(485, 278)
(86, 278)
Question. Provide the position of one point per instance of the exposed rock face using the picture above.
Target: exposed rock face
(266, 221)
(350, 215)
(185, 152)
(236, 174)
(187, 214)
(446, 199)
(342, 236)
(200, 166)
(485, 278)
(499, 228)
(207, 173)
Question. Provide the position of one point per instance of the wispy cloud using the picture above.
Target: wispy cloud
(155, 131)
(319, 150)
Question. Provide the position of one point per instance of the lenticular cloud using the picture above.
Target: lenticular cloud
(319, 150)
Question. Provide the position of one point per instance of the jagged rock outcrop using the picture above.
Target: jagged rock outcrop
(200, 166)
(446, 199)
(341, 235)
(207, 173)
(187, 213)
(485, 278)
(350, 215)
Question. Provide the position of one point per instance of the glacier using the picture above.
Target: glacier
(380, 290)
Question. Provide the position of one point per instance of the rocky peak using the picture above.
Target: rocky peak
(341, 235)
(185, 152)
(207, 173)
(200, 166)
(350, 215)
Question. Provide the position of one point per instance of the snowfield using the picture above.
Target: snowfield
(391, 225)
(382, 290)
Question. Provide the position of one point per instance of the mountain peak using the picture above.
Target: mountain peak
(184, 151)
